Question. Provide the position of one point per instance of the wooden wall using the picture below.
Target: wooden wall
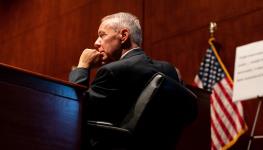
(177, 31)
(48, 36)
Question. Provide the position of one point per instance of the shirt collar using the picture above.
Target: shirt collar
(128, 52)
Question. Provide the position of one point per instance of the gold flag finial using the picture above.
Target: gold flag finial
(212, 28)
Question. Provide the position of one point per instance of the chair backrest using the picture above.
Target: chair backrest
(131, 121)
(162, 110)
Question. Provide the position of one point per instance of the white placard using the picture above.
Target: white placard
(248, 74)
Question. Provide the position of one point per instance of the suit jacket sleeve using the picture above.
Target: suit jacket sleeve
(103, 96)
(80, 76)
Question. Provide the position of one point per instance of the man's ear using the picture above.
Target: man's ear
(124, 35)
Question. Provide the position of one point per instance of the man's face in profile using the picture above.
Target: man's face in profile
(108, 43)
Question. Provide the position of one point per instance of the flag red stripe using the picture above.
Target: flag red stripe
(213, 147)
(218, 118)
(240, 117)
(219, 101)
(233, 105)
(221, 142)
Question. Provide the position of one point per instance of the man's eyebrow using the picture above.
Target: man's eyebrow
(101, 32)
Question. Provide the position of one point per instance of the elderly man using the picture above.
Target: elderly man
(124, 68)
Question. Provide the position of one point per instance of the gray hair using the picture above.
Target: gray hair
(126, 20)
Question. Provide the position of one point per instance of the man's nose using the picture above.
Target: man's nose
(97, 43)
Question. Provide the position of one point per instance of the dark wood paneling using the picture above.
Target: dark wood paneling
(24, 16)
(34, 33)
(173, 17)
(48, 37)
(178, 31)
(185, 52)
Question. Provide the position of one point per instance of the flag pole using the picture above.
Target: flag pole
(212, 29)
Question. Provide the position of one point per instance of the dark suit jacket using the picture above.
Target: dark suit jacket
(118, 84)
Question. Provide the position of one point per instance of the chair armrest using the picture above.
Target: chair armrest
(107, 129)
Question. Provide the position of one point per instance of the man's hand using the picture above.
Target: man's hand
(90, 58)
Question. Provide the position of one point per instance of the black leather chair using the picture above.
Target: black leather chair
(162, 110)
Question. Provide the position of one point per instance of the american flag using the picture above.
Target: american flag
(227, 122)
